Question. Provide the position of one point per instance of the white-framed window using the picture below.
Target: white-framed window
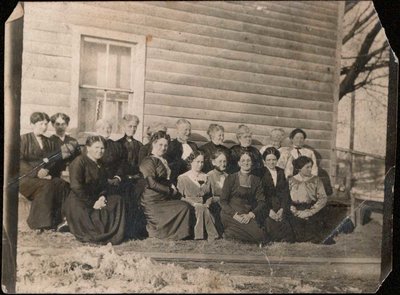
(108, 78)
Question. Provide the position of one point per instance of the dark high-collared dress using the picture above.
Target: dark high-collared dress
(209, 149)
(132, 187)
(88, 183)
(277, 197)
(73, 149)
(236, 198)
(167, 216)
(174, 157)
(144, 151)
(47, 195)
(236, 150)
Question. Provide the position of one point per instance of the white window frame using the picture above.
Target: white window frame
(136, 103)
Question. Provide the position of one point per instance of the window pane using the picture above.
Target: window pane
(93, 64)
(116, 106)
(119, 67)
(91, 108)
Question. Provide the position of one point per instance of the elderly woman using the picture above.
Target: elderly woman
(180, 149)
(167, 216)
(195, 188)
(276, 190)
(243, 203)
(244, 137)
(297, 137)
(216, 134)
(308, 198)
(277, 135)
(39, 173)
(93, 213)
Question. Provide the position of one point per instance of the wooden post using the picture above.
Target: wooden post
(352, 129)
(390, 162)
(12, 101)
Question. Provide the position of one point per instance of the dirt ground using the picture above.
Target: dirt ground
(57, 262)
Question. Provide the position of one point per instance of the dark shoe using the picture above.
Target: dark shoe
(63, 227)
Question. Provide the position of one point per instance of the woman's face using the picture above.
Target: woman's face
(40, 127)
(60, 126)
(220, 162)
(298, 139)
(306, 170)
(130, 128)
(270, 161)
(96, 150)
(197, 163)
(217, 137)
(245, 163)
(160, 147)
(104, 130)
(245, 139)
(183, 131)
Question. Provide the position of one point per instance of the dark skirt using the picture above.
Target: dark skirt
(279, 231)
(96, 226)
(234, 230)
(168, 219)
(307, 230)
(47, 196)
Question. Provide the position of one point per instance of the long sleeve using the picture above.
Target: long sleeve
(77, 180)
(226, 195)
(25, 168)
(181, 186)
(260, 197)
(148, 169)
(321, 196)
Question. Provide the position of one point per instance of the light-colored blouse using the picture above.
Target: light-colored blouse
(191, 189)
(297, 152)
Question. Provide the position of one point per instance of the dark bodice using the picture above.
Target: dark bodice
(276, 196)
(209, 149)
(256, 157)
(131, 148)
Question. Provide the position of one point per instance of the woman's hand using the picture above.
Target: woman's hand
(42, 173)
(174, 190)
(208, 202)
(100, 203)
(304, 214)
(273, 215)
(238, 217)
(293, 210)
(247, 217)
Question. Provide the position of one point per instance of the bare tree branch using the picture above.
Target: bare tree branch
(358, 24)
(367, 68)
(349, 6)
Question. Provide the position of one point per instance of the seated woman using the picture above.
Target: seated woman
(243, 203)
(93, 214)
(145, 150)
(180, 149)
(216, 134)
(277, 196)
(39, 171)
(167, 216)
(244, 137)
(308, 198)
(195, 188)
(297, 137)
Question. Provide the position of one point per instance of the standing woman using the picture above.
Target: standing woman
(243, 203)
(216, 134)
(276, 190)
(39, 173)
(308, 198)
(244, 136)
(298, 137)
(167, 216)
(93, 214)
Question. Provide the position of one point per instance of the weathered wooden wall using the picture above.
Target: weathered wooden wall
(264, 64)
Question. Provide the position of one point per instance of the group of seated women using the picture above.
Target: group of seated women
(170, 189)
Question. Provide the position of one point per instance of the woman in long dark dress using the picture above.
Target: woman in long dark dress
(92, 213)
(308, 199)
(243, 203)
(276, 190)
(167, 216)
(39, 173)
(216, 134)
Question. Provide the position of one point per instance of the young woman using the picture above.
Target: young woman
(243, 203)
(195, 188)
(216, 134)
(298, 137)
(276, 190)
(244, 137)
(39, 175)
(308, 198)
(93, 213)
(167, 216)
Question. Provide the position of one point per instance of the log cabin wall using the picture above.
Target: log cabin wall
(261, 63)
